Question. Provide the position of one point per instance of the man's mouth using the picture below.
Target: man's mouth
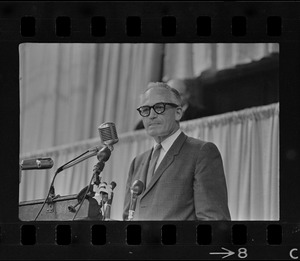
(153, 124)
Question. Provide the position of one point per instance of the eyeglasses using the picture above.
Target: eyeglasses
(159, 108)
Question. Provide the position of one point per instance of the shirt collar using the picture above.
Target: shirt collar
(168, 142)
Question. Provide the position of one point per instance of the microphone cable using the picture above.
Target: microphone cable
(57, 171)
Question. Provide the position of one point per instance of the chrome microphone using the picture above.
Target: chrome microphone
(108, 137)
(36, 163)
(108, 134)
(135, 190)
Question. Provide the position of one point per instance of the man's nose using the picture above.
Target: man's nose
(152, 114)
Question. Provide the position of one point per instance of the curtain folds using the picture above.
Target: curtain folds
(190, 60)
(67, 90)
(248, 141)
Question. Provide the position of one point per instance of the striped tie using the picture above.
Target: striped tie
(153, 162)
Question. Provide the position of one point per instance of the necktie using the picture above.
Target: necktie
(153, 162)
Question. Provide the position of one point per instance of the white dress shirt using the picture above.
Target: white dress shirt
(166, 145)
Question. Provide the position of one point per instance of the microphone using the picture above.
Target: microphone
(36, 163)
(113, 185)
(109, 202)
(108, 137)
(135, 190)
(108, 134)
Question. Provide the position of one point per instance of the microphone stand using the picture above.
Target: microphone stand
(102, 156)
(65, 166)
(97, 171)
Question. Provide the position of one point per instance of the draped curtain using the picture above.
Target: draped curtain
(67, 90)
(190, 60)
(248, 141)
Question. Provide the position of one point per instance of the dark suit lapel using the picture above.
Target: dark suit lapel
(144, 168)
(166, 162)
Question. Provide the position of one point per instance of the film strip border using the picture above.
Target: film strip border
(133, 26)
(150, 22)
(177, 240)
(140, 233)
(147, 21)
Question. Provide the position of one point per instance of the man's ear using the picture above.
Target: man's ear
(178, 114)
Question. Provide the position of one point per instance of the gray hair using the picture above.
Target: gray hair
(172, 90)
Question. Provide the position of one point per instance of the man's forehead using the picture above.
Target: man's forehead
(157, 91)
(159, 94)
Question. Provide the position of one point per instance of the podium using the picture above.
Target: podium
(57, 210)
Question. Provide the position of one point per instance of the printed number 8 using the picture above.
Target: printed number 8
(242, 252)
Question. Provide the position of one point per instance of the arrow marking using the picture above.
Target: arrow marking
(227, 253)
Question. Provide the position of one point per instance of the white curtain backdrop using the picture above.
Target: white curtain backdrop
(248, 141)
(190, 60)
(67, 90)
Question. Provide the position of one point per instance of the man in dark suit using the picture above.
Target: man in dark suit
(187, 182)
(189, 111)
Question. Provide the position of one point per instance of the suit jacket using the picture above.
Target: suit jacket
(189, 184)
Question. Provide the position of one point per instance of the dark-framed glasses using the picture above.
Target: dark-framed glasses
(159, 108)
